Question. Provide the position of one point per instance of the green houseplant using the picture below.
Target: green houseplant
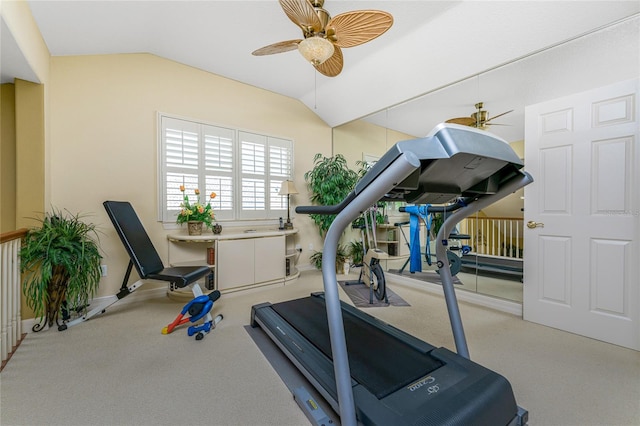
(356, 252)
(436, 223)
(60, 262)
(329, 182)
(342, 254)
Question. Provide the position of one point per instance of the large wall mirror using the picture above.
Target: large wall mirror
(494, 265)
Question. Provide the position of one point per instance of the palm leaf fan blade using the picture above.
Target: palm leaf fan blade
(280, 47)
(332, 66)
(354, 28)
(465, 121)
(302, 13)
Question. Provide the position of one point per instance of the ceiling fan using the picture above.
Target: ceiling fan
(325, 37)
(479, 119)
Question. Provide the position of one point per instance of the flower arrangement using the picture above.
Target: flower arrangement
(197, 211)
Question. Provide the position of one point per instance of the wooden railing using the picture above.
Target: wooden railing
(495, 236)
(10, 318)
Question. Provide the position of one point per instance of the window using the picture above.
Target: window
(244, 169)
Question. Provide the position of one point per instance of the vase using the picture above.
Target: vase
(217, 228)
(194, 227)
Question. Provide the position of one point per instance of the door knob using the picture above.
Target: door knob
(532, 224)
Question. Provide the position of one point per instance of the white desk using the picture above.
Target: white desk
(242, 260)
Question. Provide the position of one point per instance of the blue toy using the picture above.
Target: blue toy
(198, 308)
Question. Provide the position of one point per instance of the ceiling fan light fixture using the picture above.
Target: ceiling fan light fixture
(316, 49)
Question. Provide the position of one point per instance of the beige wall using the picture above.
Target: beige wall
(360, 137)
(518, 148)
(7, 158)
(103, 138)
(23, 155)
(30, 153)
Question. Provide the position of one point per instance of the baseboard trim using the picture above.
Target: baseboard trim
(501, 305)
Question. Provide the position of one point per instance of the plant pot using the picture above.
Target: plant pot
(194, 227)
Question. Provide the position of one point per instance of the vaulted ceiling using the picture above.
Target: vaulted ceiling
(431, 45)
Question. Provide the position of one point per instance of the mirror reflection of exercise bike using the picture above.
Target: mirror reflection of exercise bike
(371, 273)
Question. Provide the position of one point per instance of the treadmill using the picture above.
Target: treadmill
(370, 372)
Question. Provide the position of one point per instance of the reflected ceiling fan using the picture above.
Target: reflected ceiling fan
(325, 37)
(479, 119)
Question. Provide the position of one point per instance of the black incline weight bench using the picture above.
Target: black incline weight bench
(373, 373)
(145, 258)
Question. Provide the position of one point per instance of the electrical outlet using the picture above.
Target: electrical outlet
(310, 246)
(103, 270)
(298, 248)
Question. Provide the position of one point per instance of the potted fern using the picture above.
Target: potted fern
(60, 262)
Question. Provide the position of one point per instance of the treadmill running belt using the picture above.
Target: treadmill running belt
(378, 361)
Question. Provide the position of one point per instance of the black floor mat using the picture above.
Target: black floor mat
(359, 295)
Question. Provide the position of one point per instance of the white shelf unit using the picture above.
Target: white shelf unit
(291, 257)
(242, 259)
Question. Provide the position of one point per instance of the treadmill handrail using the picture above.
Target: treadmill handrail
(518, 181)
(402, 167)
(335, 209)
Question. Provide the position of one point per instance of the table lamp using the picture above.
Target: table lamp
(287, 189)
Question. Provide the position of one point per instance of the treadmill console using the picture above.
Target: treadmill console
(454, 160)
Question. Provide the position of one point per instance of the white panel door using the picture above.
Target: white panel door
(581, 262)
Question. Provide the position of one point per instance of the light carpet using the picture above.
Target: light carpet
(118, 369)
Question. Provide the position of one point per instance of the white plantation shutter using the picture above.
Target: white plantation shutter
(180, 163)
(253, 173)
(280, 165)
(244, 169)
(219, 169)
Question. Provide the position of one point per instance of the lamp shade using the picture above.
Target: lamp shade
(316, 49)
(288, 188)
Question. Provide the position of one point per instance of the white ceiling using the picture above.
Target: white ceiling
(431, 45)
